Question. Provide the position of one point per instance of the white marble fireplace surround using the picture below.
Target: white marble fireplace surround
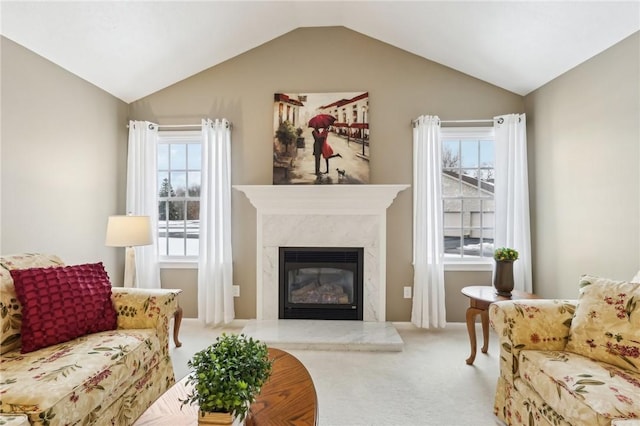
(321, 216)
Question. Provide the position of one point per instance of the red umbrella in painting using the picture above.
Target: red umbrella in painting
(321, 121)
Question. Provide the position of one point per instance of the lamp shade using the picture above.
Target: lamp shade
(127, 231)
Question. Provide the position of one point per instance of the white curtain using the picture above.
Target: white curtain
(215, 266)
(142, 190)
(512, 227)
(428, 240)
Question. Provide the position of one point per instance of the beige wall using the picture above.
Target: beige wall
(63, 161)
(401, 86)
(584, 152)
(187, 281)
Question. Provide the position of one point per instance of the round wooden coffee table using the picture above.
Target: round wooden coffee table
(480, 297)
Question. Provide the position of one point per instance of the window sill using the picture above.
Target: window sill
(473, 266)
(179, 264)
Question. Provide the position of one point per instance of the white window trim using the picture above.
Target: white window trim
(461, 264)
(468, 265)
(172, 263)
(465, 132)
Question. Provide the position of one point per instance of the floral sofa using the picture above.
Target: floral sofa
(106, 377)
(567, 362)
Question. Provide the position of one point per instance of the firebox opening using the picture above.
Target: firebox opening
(321, 283)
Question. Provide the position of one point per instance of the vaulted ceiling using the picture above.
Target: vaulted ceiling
(132, 49)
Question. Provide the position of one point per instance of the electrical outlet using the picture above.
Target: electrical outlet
(407, 292)
(236, 291)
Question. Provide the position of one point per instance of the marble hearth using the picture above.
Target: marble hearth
(321, 216)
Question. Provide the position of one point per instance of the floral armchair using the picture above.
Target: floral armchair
(567, 362)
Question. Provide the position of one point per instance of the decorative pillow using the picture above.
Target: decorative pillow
(606, 324)
(62, 303)
(10, 307)
(636, 278)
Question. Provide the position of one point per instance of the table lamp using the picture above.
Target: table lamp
(129, 231)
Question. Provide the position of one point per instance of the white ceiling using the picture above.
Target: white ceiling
(132, 49)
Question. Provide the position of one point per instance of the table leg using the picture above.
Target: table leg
(471, 328)
(176, 326)
(484, 316)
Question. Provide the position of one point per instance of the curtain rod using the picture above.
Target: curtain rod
(185, 126)
(466, 121)
(178, 126)
(172, 126)
(488, 120)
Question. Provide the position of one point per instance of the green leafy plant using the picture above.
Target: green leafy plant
(505, 253)
(228, 374)
(285, 133)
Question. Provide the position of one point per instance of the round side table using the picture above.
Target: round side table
(480, 297)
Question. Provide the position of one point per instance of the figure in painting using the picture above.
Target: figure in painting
(327, 151)
(321, 124)
(322, 148)
(318, 141)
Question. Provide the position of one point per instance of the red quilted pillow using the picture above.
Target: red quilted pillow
(62, 303)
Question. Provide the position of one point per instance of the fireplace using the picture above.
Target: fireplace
(321, 283)
(321, 216)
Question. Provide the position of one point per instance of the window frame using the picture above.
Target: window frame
(462, 263)
(168, 137)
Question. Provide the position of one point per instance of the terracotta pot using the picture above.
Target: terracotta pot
(208, 419)
(503, 278)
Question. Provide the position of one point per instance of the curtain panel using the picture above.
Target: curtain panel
(215, 265)
(142, 193)
(512, 225)
(428, 308)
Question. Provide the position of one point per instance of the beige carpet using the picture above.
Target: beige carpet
(428, 383)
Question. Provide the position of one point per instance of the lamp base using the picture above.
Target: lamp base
(130, 268)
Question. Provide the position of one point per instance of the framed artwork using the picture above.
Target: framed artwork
(321, 138)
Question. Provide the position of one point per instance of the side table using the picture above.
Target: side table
(480, 297)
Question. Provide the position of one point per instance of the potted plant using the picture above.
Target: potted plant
(226, 377)
(503, 277)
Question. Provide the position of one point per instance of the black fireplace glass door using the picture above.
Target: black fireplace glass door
(320, 285)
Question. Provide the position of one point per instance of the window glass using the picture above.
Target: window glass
(193, 228)
(179, 181)
(468, 173)
(469, 153)
(178, 155)
(194, 156)
(193, 179)
(163, 157)
(164, 190)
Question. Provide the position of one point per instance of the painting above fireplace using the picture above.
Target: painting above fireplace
(321, 138)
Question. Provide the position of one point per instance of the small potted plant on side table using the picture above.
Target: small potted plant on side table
(503, 277)
(226, 377)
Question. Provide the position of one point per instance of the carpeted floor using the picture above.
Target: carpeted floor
(428, 383)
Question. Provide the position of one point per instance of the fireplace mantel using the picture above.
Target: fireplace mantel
(321, 216)
(355, 199)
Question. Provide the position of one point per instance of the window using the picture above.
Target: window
(467, 192)
(179, 178)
